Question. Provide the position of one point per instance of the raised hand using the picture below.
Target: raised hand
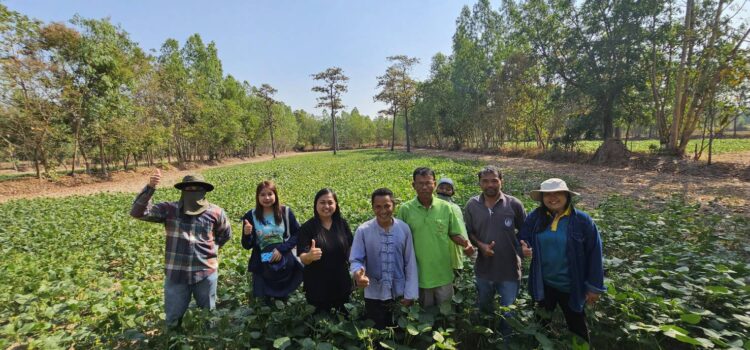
(247, 227)
(313, 255)
(155, 178)
(527, 252)
(360, 279)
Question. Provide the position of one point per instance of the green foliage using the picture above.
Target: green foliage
(78, 272)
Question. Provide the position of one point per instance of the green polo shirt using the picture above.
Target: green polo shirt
(431, 229)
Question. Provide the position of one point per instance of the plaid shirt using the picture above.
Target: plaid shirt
(193, 241)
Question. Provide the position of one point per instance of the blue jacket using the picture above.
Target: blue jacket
(584, 252)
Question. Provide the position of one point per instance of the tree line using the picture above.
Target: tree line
(85, 93)
(550, 72)
(559, 71)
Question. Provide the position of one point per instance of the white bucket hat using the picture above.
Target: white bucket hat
(551, 185)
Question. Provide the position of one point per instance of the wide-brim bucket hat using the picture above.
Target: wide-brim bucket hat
(194, 180)
(551, 185)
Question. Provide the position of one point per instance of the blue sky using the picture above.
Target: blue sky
(283, 42)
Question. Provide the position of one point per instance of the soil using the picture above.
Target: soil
(716, 193)
(713, 188)
(120, 181)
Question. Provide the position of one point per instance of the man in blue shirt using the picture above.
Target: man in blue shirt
(383, 261)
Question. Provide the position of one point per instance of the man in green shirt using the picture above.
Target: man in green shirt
(435, 229)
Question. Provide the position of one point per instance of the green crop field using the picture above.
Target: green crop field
(80, 273)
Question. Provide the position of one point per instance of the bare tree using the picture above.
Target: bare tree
(265, 93)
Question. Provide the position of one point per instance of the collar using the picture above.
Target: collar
(500, 198)
(557, 218)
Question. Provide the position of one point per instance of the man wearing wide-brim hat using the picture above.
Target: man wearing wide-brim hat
(195, 229)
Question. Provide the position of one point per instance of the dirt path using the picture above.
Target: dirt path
(130, 181)
(729, 195)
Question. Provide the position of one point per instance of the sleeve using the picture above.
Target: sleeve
(594, 260)
(526, 231)
(358, 252)
(222, 230)
(520, 214)
(457, 227)
(468, 220)
(304, 238)
(293, 237)
(411, 290)
(248, 241)
(144, 209)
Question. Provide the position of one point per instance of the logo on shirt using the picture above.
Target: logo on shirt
(508, 222)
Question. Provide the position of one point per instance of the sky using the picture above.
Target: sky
(283, 42)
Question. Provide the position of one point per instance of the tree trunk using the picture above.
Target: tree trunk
(270, 128)
(393, 131)
(678, 107)
(102, 158)
(75, 146)
(408, 142)
(334, 144)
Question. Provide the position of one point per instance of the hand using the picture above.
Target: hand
(487, 249)
(527, 252)
(276, 255)
(406, 302)
(469, 249)
(247, 227)
(592, 298)
(313, 255)
(155, 178)
(360, 279)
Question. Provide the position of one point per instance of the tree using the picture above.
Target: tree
(591, 46)
(265, 93)
(399, 89)
(334, 84)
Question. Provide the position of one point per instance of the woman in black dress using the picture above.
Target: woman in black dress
(324, 244)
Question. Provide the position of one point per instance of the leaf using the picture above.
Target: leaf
(282, 343)
(691, 318)
(438, 337)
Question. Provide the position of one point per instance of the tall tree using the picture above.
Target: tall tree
(265, 93)
(592, 46)
(334, 84)
(399, 89)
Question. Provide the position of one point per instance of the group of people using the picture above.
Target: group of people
(398, 257)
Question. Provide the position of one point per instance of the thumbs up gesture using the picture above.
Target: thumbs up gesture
(527, 252)
(247, 227)
(155, 178)
(360, 279)
(488, 250)
(311, 256)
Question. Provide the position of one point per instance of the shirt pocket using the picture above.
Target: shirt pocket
(441, 227)
(203, 229)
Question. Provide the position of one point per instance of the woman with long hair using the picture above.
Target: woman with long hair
(566, 255)
(270, 230)
(325, 242)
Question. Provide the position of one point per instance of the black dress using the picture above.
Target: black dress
(327, 283)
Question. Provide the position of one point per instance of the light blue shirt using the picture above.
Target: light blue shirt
(553, 246)
(388, 259)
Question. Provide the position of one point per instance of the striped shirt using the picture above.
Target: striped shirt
(193, 241)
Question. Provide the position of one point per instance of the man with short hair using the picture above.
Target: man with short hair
(195, 230)
(445, 191)
(435, 228)
(492, 222)
(382, 261)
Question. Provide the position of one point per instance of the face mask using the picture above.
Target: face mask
(193, 202)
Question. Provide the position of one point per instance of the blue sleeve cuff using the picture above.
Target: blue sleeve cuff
(591, 288)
